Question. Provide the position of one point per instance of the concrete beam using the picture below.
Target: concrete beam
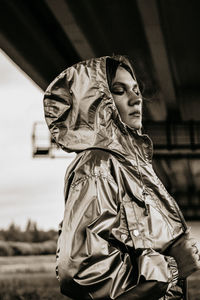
(150, 17)
(69, 25)
(11, 50)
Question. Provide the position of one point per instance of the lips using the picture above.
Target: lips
(135, 114)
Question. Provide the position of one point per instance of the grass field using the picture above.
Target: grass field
(33, 278)
(29, 278)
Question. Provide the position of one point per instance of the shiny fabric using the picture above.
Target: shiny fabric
(119, 220)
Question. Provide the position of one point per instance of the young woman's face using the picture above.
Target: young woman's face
(127, 98)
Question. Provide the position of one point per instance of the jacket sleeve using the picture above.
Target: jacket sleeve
(89, 267)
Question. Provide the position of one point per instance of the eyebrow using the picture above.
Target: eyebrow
(123, 84)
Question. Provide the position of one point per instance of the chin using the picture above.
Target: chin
(136, 125)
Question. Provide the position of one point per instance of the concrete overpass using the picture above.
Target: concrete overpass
(161, 37)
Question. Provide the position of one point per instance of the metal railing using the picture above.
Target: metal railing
(43, 145)
(170, 139)
(175, 139)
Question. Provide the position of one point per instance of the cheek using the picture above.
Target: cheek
(121, 108)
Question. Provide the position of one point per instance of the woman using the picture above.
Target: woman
(122, 235)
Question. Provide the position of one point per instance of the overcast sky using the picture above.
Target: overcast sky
(29, 188)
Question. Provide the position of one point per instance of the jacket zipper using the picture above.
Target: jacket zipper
(146, 206)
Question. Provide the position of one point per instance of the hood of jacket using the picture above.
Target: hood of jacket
(80, 110)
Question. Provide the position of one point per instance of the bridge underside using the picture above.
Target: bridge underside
(162, 39)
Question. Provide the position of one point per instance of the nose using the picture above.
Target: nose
(134, 99)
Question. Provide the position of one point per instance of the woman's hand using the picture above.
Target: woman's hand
(187, 255)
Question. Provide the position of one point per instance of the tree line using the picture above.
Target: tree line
(31, 234)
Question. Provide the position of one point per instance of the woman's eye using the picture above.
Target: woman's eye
(119, 91)
(136, 90)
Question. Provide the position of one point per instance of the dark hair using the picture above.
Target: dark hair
(112, 63)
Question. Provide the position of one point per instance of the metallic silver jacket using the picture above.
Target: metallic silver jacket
(119, 220)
